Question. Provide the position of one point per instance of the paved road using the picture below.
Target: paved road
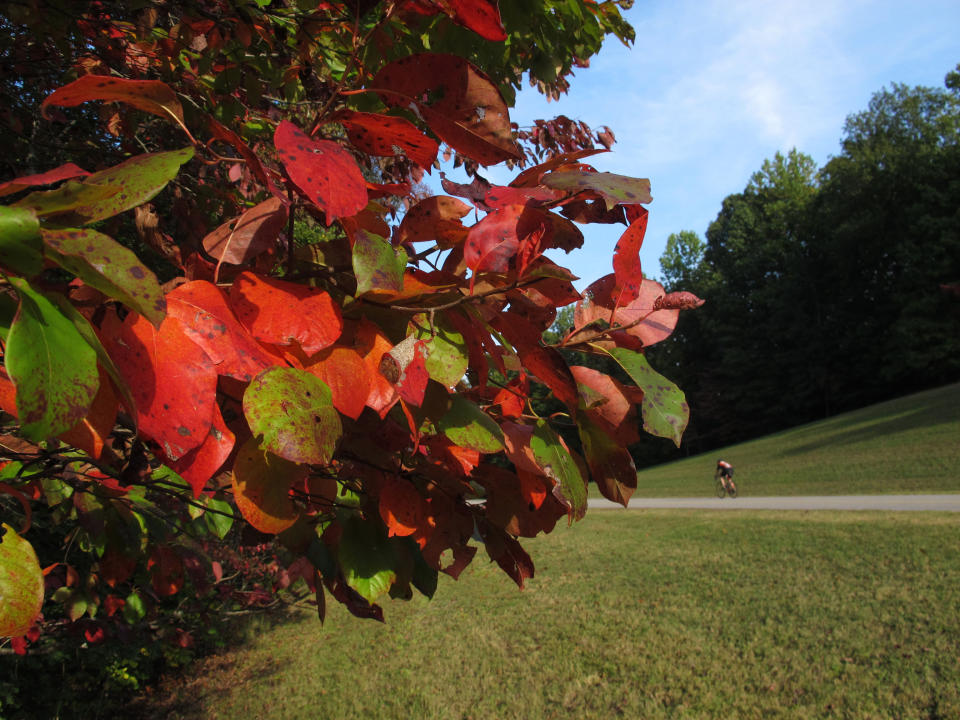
(948, 503)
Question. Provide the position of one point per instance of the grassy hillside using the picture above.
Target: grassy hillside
(639, 614)
(908, 445)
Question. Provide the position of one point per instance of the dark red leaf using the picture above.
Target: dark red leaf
(458, 101)
(626, 262)
(546, 363)
(323, 171)
(385, 135)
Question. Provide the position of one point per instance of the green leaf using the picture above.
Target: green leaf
(468, 426)
(86, 331)
(614, 189)
(69, 196)
(108, 266)
(21, 584)
(134, 610)
(53, 368)
(20, 241)
(367, 558)
(558, 464)
(293, 411)
(665, 410)
(219, 517)
(447, 354)
(377, 264)
(138, 179)
(8, 311)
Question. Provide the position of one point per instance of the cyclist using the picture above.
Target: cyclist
(725, 474)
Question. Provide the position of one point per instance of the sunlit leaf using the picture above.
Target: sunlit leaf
(281, 313)
(137, 181)
(21, 584)
(614, 189)
(437, 219)
(172, 379)
(626, 262)
(106, 265)
(367, 558)
(293, 412)
(53, 368)
(385, 135)
(555, 460)
(199, 465)
(402, 509)
(447, 355)
(202, 308)
(467, 425)
(69, 196)
(665, 409)
(151, 96)
(344, 371)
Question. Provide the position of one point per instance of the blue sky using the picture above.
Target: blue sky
(711, 88)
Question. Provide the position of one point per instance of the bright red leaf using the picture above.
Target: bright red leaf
(202, 463)
(64, 172)
(626, 262)
(347, 375)
(173, 381)
(282, 313)
(202, 308)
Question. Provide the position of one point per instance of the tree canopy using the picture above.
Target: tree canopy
(829, 288)
(248, 357)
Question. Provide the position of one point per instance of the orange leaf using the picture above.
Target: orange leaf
(202, 463)
(261, 488)
(91, 432)
(402, 508)
(348, 377)
(282, 313)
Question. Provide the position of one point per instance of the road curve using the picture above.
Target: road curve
(942, 503)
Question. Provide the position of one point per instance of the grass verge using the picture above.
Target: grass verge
(907, 445)
(653, 614)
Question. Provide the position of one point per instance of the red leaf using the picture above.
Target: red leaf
(151, 96)
(481, 16)
(617, 411)
(507, 553)
(680, 301)
(646, 322)
(372, 344)
(347, 376)
(166, 571)
(202, 463)
(112, 603)
(519, 503)
(64, 172)
(498, 196)
(387, 136)
(626, 262)
(458, 101)
(493, 241)
(547, 364)
(513, 398)
(282, 313)
(408, 362)
(172, 380)
(202, 308)
(243, 238)
(402, 508)
(325, 172)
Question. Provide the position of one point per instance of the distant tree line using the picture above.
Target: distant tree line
(826, 289)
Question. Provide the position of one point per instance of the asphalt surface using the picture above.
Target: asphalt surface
(942, 503)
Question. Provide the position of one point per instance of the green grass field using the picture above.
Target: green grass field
(908, 445)
(639, 614)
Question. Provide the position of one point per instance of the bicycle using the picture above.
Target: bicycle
(723, 490)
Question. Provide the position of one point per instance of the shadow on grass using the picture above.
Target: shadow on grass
(936, 409)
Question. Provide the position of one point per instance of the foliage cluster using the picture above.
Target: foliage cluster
(317, 373)
(827, 289)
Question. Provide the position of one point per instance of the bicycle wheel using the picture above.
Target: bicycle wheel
(721, 490)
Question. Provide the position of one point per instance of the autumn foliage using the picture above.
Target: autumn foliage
(336, 362)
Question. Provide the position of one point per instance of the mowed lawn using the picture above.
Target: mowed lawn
(635, 614)
(908, 445)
